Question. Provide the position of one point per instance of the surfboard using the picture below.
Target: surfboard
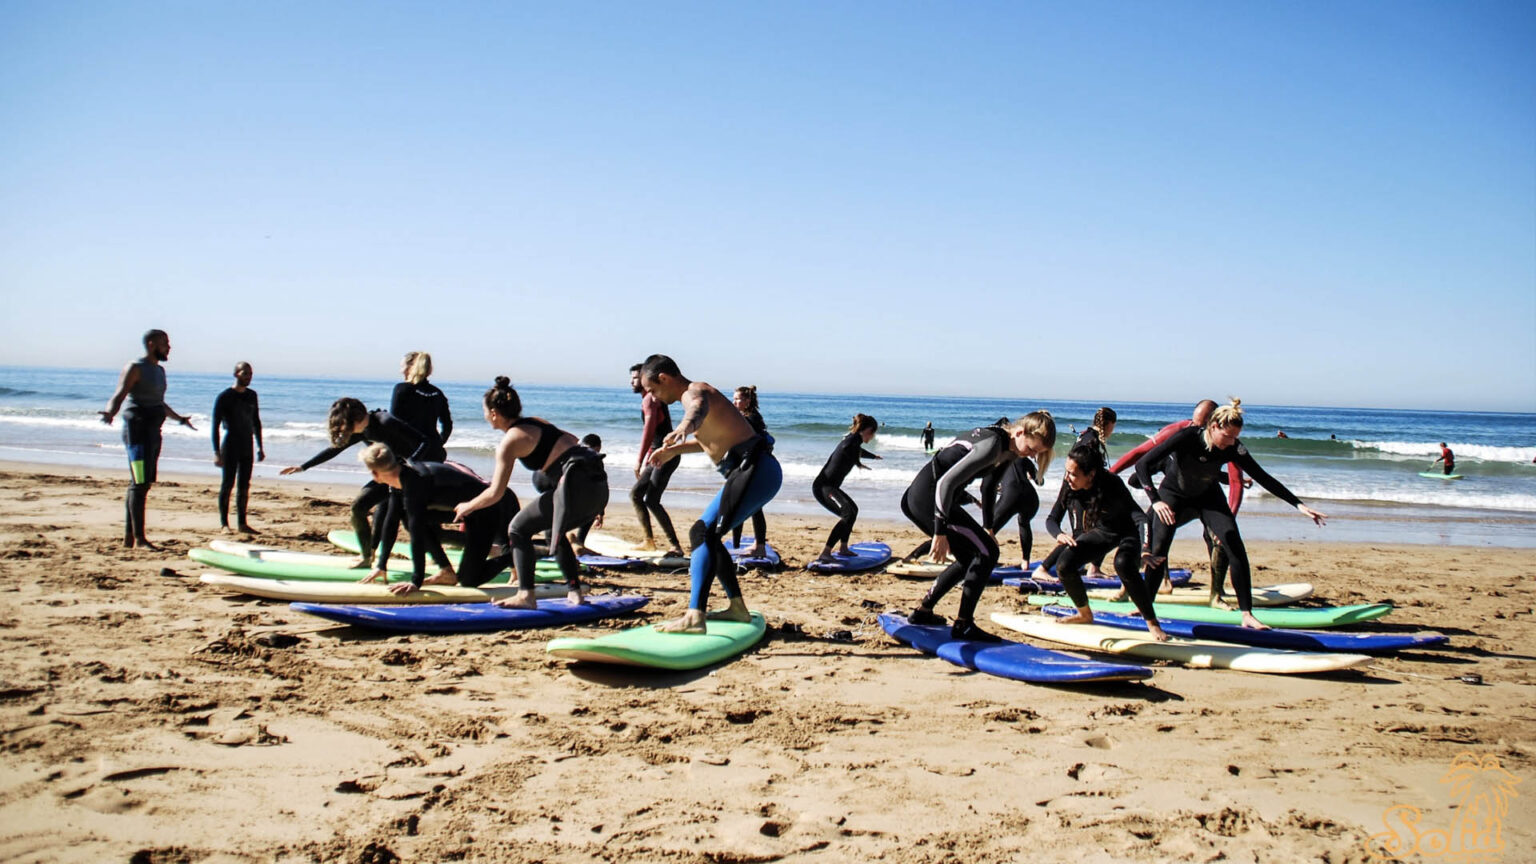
(928, 570)
(617, 547)
(356, 592)
(1017, 576)
(644, 646)
(1435, 475)
(330, 568)
(867, 556)
(474, 617)
(1197, 653)
(1014, 660)
(769, 561)
(1300, 619)
(1294, 640)
(1270, 595)
(402, 551)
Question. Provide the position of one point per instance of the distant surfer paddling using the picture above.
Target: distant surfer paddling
(142, 385)
(713, 426)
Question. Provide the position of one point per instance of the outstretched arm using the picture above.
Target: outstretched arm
(126, 382)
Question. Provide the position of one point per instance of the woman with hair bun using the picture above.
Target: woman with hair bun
(1191, 490)
(569, 477)
(828, 485)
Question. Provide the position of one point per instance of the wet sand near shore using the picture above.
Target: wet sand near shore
(148, 718)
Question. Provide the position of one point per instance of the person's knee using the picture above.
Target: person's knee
(637, 494)
(698, 535)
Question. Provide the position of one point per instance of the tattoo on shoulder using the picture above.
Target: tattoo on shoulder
(698, 410)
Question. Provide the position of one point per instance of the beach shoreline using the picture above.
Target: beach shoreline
(147, 715)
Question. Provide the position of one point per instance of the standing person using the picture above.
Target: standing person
(745, 400)
(419, 403)
(239, 413)
(928, 436)
(934, 504)
(348, 423)
(752, 477)
(1190, 491)
(651, 480)
(1017, 497)
(142, 384)
(569, 477)
(1102, 521)
(429, 492)
(828, 485)
(1446, 457)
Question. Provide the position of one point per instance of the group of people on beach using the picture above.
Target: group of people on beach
(413, 481)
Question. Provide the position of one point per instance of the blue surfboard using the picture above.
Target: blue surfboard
(867, 556)
(474, 617)
(1296, 640)
(1014, 660)
(771, 561)
(608, 562)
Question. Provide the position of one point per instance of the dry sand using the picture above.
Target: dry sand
(147, 718)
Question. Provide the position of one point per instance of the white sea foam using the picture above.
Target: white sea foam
(1431, 450)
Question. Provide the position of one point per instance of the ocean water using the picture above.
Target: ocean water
(1358, 465)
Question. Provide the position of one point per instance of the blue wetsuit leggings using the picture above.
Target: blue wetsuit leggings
(747, 488)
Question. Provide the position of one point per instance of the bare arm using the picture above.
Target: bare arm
(695, 409)
(125, 382)
(506, 456)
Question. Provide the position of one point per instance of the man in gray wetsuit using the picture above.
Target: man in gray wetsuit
(143, 385)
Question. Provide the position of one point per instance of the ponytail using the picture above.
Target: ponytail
(1038, 424)
(862, 422)
(418, 366)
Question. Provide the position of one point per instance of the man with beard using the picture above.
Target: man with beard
(143, 385)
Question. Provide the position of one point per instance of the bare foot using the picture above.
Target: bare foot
(825, 558)
(758, 551)
(361, 564)
(1253, 623)
(574, 597)
(246, 529)
(691, 621)
(1220, 602)
(1157, 632)
(674, 553)
(520, 600)
(845, 552)
(1165, 588)
(646, 546)
(735, 611)
(1084, 616)
(1119, 598)
(145, 544)
(441, 579)
(224, 529)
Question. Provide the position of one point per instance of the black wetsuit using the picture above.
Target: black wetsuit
(827, 487)
(405, 442)
(928, 437)
(934, 504)
(651, 482)
(1016, 496)
(759, 521)
(1191, 486)
(239, 412)
(572, 492)
(425, 408)
(1103, 518)
(143, 416)
(429, 492)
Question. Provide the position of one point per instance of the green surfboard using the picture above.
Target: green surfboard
(1287, 617)
(644, 646)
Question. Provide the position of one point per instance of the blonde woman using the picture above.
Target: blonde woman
(934, 504)
(1190, 490)
(418, 402)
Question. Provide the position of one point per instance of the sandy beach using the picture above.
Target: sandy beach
(147, 718)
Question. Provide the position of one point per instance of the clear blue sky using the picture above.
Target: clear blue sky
(1307, 202)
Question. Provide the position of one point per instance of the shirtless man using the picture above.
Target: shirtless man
(752, 478)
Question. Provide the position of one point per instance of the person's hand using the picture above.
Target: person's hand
(106, 417)
(1315, 516)
(673, 438)
(598, 522)
(378, 575)
(461, 510)
(1164, 512)
(291, 469)
(218, 460)
(1065, 539)
(940, 548)
(660, 455)
(402, 588)
(186, 421)
(261, 455)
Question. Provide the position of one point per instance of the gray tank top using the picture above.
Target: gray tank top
(150, 391)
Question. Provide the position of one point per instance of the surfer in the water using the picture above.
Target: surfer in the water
(1102, 520)
(569, 477)
(1190, 490)
(713, 426)
(934, 504)
(429, 493)
(651, 480)
(745, 400)
(1447, 458)
(928, 435)
(238, 411)
(142, 384)
(350, 422)
(828, 485)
